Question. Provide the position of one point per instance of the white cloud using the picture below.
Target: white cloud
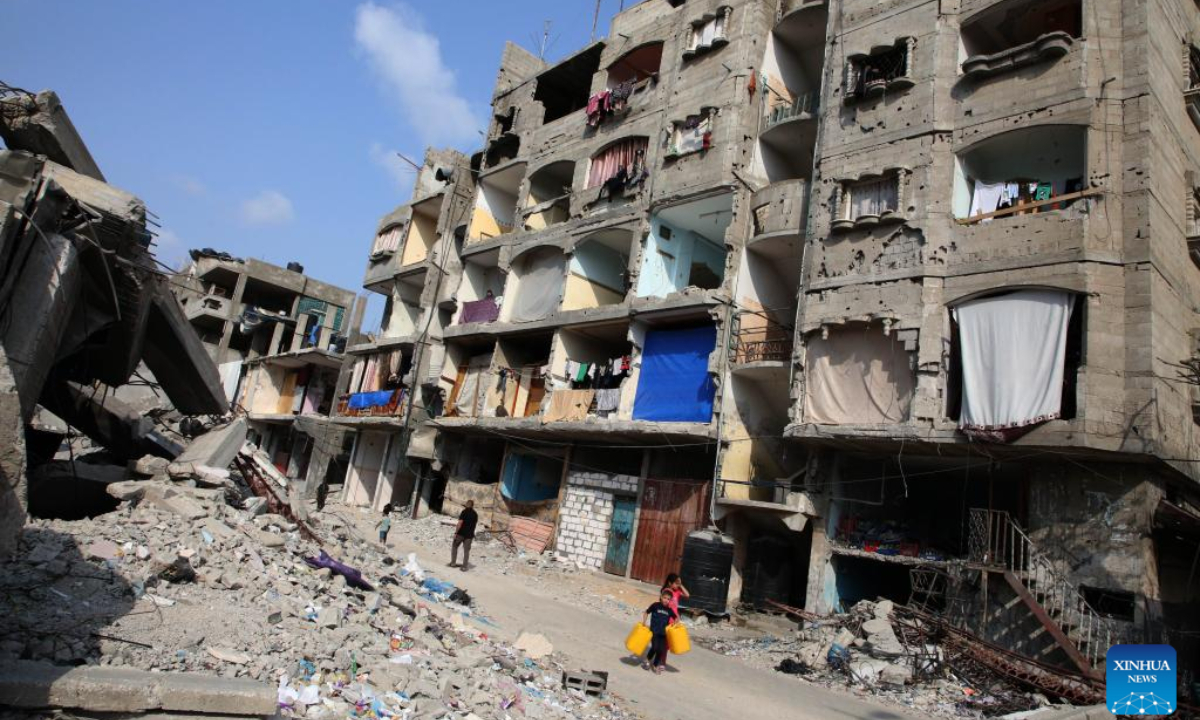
(170, 249)
(408, 61)
(269, 207)
(403, 174)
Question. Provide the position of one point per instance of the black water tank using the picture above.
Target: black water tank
(705, 569)
(295, 267)
(768, 574)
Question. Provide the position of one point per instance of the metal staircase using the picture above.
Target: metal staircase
(998, 544)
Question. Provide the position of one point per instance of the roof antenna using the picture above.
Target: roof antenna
(595, 20)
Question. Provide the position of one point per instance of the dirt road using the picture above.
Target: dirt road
(703, 685)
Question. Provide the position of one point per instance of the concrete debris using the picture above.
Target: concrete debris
(229, 593)
(861, 649)
(33, 685)
(150, 466)
(217, 448)
(534, 644)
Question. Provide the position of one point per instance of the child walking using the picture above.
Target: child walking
(658, 618)
(675, 586)
(385, 525)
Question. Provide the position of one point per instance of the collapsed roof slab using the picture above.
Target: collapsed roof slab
(179, 360)
(40, 124)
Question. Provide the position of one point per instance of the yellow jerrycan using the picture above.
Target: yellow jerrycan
(638, 640)
(677, 639)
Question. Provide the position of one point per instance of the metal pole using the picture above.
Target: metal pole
(596, 20)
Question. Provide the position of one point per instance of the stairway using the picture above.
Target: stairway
(997, 544)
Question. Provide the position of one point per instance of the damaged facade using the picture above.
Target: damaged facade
(874, 286)
(278, 338)
(85, 310)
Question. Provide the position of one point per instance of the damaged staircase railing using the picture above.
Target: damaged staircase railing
(997, 543)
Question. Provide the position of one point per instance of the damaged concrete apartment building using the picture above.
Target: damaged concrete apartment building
(278, 339)
(85, 310)
(897, 294)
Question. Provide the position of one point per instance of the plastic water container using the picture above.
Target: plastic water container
(677, 639)
(638, 640)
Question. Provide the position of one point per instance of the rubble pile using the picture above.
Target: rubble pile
(190, 575)
(861, 650)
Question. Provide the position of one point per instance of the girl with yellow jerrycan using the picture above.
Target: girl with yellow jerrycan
(660, 630)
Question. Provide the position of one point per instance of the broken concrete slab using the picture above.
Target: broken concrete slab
(150, 466)
(43, 126)
(33, 685)
(218, 447)
(181, 364)
(97, 413)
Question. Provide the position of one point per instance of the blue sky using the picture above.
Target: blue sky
(269, 128)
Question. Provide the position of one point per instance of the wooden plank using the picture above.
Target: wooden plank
(1026, 207)
(1047, 622)
(531, 534)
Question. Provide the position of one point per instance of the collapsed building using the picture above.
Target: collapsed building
(278, 339)
(83, 306)
(900, 295)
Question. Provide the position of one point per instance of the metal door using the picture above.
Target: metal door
(670, 510)
(620, 535)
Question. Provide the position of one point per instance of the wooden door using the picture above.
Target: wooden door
(537, 391)
(616, 560)
(670, 510)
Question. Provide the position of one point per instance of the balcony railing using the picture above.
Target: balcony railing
(805, 105)
(383, 403)
(762, 344)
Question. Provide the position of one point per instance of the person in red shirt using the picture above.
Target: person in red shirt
(677, 590)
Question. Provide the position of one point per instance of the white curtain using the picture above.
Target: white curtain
(858, 376)
(540, 289)
(1014, 347)
(872, 198)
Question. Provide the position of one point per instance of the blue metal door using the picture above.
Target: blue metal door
(620, 536)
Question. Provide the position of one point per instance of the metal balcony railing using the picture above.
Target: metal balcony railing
(764, 343)
(805, 105)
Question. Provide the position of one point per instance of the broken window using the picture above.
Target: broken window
(636, 67)
(598, 272)
(686, 247)
(708, 33)
(692, 134)
(1110, 603)
(619, 166)
(387, 241)
(531, 477)
(870, 200)
(549, 199)
(857, 374)
(496, 203)
(564, 88)
(883, 70)
(1013, 36)
(1021, 172)
(1016, 356)
(1191, 95)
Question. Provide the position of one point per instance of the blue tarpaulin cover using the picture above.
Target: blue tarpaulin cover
(362, 401)
(674, 385)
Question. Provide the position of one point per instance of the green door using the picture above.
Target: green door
(620, 535)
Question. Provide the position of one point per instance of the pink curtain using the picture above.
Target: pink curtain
(606, 164)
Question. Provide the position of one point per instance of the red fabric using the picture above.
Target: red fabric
(606, 164)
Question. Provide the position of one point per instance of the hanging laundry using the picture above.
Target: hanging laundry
(987, 198)
(607, 401)
(581, 372)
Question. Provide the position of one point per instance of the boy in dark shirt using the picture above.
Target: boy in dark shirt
(464, 534)
(658, 618)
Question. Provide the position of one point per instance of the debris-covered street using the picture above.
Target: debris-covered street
(600, 359)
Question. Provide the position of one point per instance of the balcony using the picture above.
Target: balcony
(383, 403)
(762, 342)
(780, 209)
(803, 107)
(787, 7)
(1050, 46)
